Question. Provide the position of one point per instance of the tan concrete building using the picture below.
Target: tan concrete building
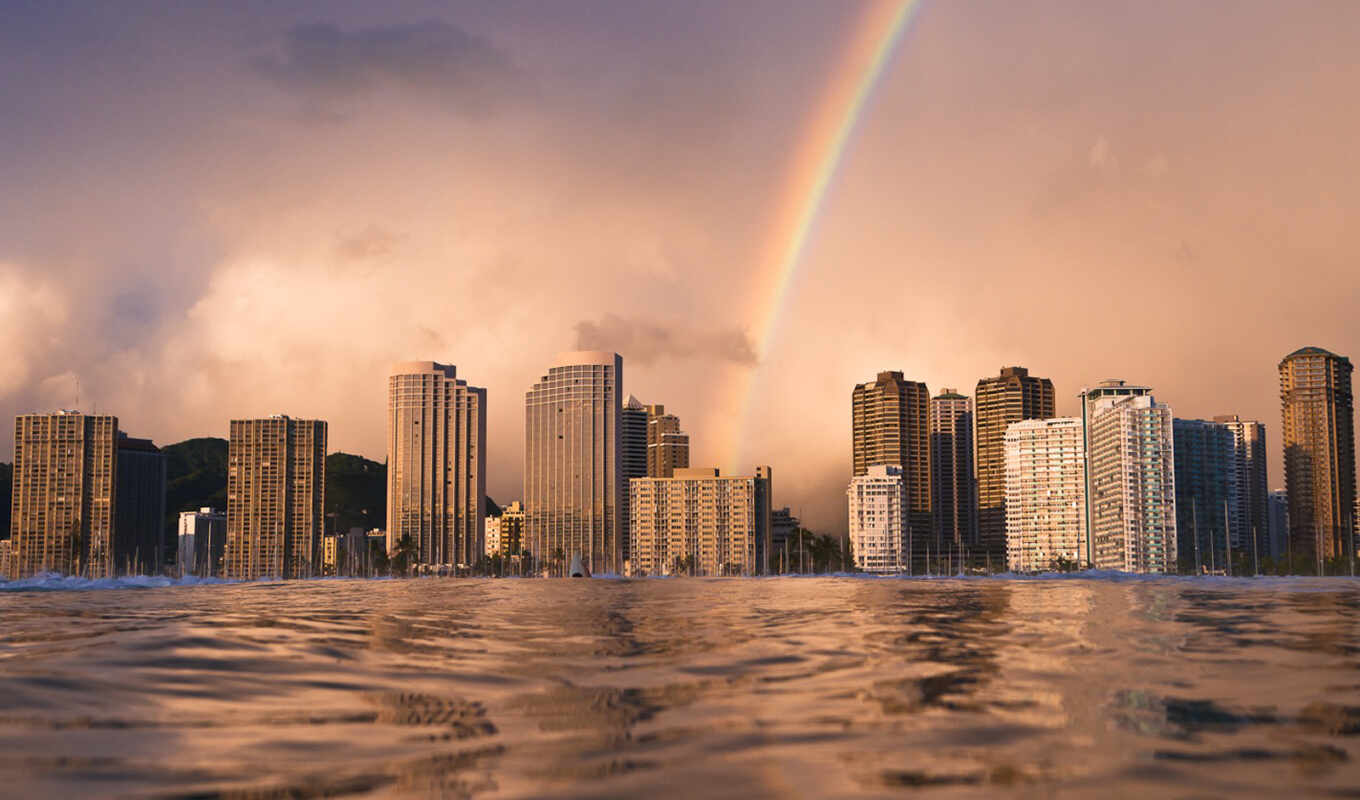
(1012, 396)
(1319, 452)
(891, 427)
(64, 494)
(572, 469)
(505, 533)
(436, 463)
(699, 522)
(276, 496)
(667, 445)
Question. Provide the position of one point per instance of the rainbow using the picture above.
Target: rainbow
(815, 161)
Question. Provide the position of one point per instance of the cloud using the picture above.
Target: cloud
(646, 341)
(372, 242)
(324, 64)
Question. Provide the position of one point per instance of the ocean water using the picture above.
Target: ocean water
(786, 687)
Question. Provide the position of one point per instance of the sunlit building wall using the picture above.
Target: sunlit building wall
(276, 496)
(890, 427)
(1045, 494)
(880, 533)
(1131, 463)
(1319, 452)
(698, 521)
(1012, 396)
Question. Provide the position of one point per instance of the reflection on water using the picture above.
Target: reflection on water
(741, 688)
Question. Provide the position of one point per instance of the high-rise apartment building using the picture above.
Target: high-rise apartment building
(1112, 388)
(276, 497)
(202, 542)
(890, 426)
(880, 538)
(1132, 484)
(633, 452)
(64, 499)
(1045, 494)
(436, 463)
(139, 545)
(1319, 452)
(572, 472)
(1012, 396)
(1207, 495)
(1251, 522)
(505, 533)
(667, 445)
(953, 503)
(699, 522)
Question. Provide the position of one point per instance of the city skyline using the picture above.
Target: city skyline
(618, 187)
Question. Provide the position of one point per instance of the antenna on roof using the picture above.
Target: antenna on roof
(77, 405)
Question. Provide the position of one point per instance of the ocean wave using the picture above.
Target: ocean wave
(56, 582)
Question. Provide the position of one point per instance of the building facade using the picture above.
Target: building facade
(890, 427)
(783, 525)
(64, 497)
(572, 471)
(1112, 388)
(953, 500)
(505, 533)
(880, 533)
(1279, 524)
(276, 497)
(701, 523)
(1012, 396)
(1319, 452)
(1045, 495)
(436, 463)
(1207, 497)
(202, 541)
(1132, 480)
(667, 445)
(139, 546)
(1251, 523)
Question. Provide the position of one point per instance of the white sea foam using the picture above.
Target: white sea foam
(55, 582)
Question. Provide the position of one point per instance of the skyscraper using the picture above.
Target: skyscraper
(1319, 452)
(667, 445)
(1045, 494)
(633, 452)
(1207, 495)
(64, 498)
(572, 473)
(1012, 396)
(1109, 388)
(1130, 461)
(276, 496)
(952, 498)
(1251, 525)
(880, 540)
(436, 463)
(139, 546)
(890, 427)
(699, 522)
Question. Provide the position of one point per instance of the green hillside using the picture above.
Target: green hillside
(356, 492)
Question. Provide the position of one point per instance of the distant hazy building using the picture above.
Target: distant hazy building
(1251, 525)
(1206, 494)
(572, 472)
(139, 546)
(1107, 389)
(6, 558)
(1319, 452)
(952, 498)
(632, 460)
(202, 542)
(1045, 494)
(783, 525)
(436, 462)
(1132, 484)
(1278, 505)
(890, 426)
(879, 533)
(64, 493)
(276, 496)
(1012, 396)
(491, 538)
(700, 522)
(667, 445)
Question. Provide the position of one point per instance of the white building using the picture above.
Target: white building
(202, 537)
(493, 536)
(1045, 494)
(1132, 470)
(880, 538)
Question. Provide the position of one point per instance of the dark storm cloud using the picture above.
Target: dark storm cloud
(323, 63)
(645, 341)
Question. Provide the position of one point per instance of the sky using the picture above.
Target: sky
(216, 211)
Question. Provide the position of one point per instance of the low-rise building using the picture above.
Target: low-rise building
(880, 533)
(699, 522)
